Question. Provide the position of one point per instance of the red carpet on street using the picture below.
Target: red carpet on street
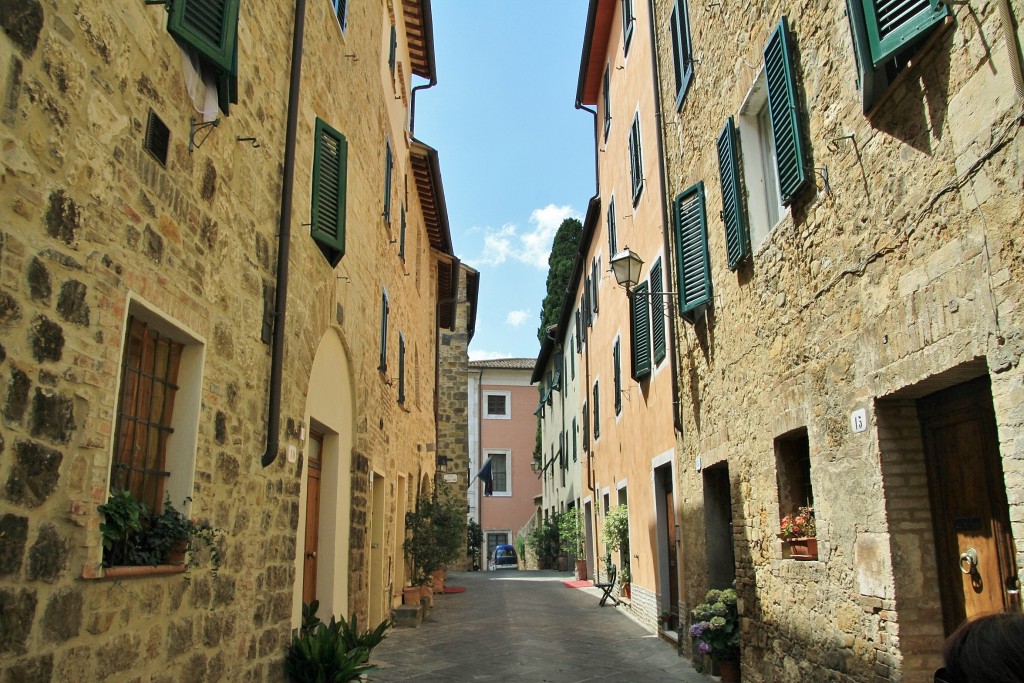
(453, 589)
(583, 583)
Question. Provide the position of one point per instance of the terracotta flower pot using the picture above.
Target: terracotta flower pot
(800, 548)
(176, 554)
(411, 595)
(729, 671)
(581, 569)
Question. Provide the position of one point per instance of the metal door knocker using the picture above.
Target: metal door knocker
(969, 561)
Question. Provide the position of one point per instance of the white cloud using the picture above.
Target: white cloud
(488, 355)
(516, 318)
(531, 247)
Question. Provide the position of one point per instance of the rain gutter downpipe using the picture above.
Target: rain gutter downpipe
(676, 417)
(284, 239)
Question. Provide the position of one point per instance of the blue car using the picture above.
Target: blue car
(504, 557)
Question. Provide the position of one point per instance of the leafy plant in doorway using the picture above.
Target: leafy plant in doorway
(333, 652)
(716, 626)
(437, 533)
(572, 534)
(542, 540)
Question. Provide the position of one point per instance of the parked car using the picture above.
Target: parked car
(504, 557)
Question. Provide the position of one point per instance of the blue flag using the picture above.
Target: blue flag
(485, 476)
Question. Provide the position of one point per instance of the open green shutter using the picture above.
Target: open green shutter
(617, 375)
(210, 26)
(892, 25)
(657, 312)
(737, 235)
(692, 249)
(401, 368)
(330, 161)
(641, 332)
(597, 412)
(790, 156)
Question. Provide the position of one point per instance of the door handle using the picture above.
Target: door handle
(311, 555)
(969, 561)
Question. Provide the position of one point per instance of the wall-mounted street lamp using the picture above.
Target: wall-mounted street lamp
(626, 265)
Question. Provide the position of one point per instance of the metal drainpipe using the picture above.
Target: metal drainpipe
(284, 239)
(676, 417)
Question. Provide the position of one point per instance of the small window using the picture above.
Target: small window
(382, 363)
(641, 332)
(764, 203)
(388, 165)
(330, 164)
(617, 375)
(628, 20)
(497, 403)
(694, 269)
(157, 411)
(886, 35)
(682, 50)
(613, 238)
(793, 474)
(636, 169)
(606, 99)
(158, 138)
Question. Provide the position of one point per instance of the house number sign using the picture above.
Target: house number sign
(859, 420)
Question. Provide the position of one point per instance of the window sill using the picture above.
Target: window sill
(93, 572)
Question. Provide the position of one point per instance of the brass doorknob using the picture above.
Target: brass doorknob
(311, 555)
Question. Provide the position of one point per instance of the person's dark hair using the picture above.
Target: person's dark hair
(987, 649)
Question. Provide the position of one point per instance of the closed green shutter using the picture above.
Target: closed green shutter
(330, 163)
(597, 412)
(617, 375)
(401, 237)
(892, 25)
(586, 426)
(210, 26)
(575, 444)
(613, 240)
(641, 332)
(657, 312)
(692, 249)
(385, 309)
(388, 165)
(401, 368)
(737, 235)
(393, 50)
(790, 157)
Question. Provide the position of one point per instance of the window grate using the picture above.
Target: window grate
(158, 138)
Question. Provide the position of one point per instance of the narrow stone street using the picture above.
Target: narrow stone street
(528, 627)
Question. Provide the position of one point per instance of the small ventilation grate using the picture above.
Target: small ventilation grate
(158, 138)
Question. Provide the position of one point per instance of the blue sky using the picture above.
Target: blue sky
(516, 155)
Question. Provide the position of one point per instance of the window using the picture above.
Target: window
(694, 270)
(617, 375)
(764, 203)
(606, 99)
(597, 412)
(500, 471)
(157, 411)
(613, 239)
(382, 364)
(657, 312)
(641, 332)
(885, 37)
(682, 50)
(341, 11)
(627, 23)
(392, 50)
(498, 403)
(401, 368)
(330, 164)
(737, 237)
(636, 170)
(388, 164)
(210, 27)
(793, 472)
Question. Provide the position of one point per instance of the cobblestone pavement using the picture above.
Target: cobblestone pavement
(527, 627)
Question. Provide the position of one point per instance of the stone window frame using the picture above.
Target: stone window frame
(507, 414)
(793, 474)
(505, 456)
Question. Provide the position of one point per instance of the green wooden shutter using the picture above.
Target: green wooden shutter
(597, 412)
(892, 25)
(636, 171)
(227, 85)
(613, 240)
(210, 26)
(737, 234)
(617, 375)
(790, 156)
(595, 279)
(586, 425)
(679, 25)
(641, 337)
(393, 50)
(401, 237)
(575, 444)
(388, 164)
(330, 163)
(657, 312)
(692, 249)
(401, 368)
(606, 100)
(382, 364)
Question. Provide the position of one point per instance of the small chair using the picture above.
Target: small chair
(607, 588)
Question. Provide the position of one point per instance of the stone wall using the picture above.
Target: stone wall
(88, 220)
(900, 276)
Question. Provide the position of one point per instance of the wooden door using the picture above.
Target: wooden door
(974, 545)
(316, 442)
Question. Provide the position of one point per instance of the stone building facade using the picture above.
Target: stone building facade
(851, 192)
(125, 224)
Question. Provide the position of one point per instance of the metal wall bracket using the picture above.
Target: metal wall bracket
(195, 128)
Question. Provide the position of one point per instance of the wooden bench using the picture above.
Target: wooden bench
(607, 587)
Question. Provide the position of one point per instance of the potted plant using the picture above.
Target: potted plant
(798, 534)
(616, 536)
(437, 533)
(133, 536)
(716, 631)
(542, 541)
(665, 620)
(625, 579)
(572, 534)
(336, 651)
